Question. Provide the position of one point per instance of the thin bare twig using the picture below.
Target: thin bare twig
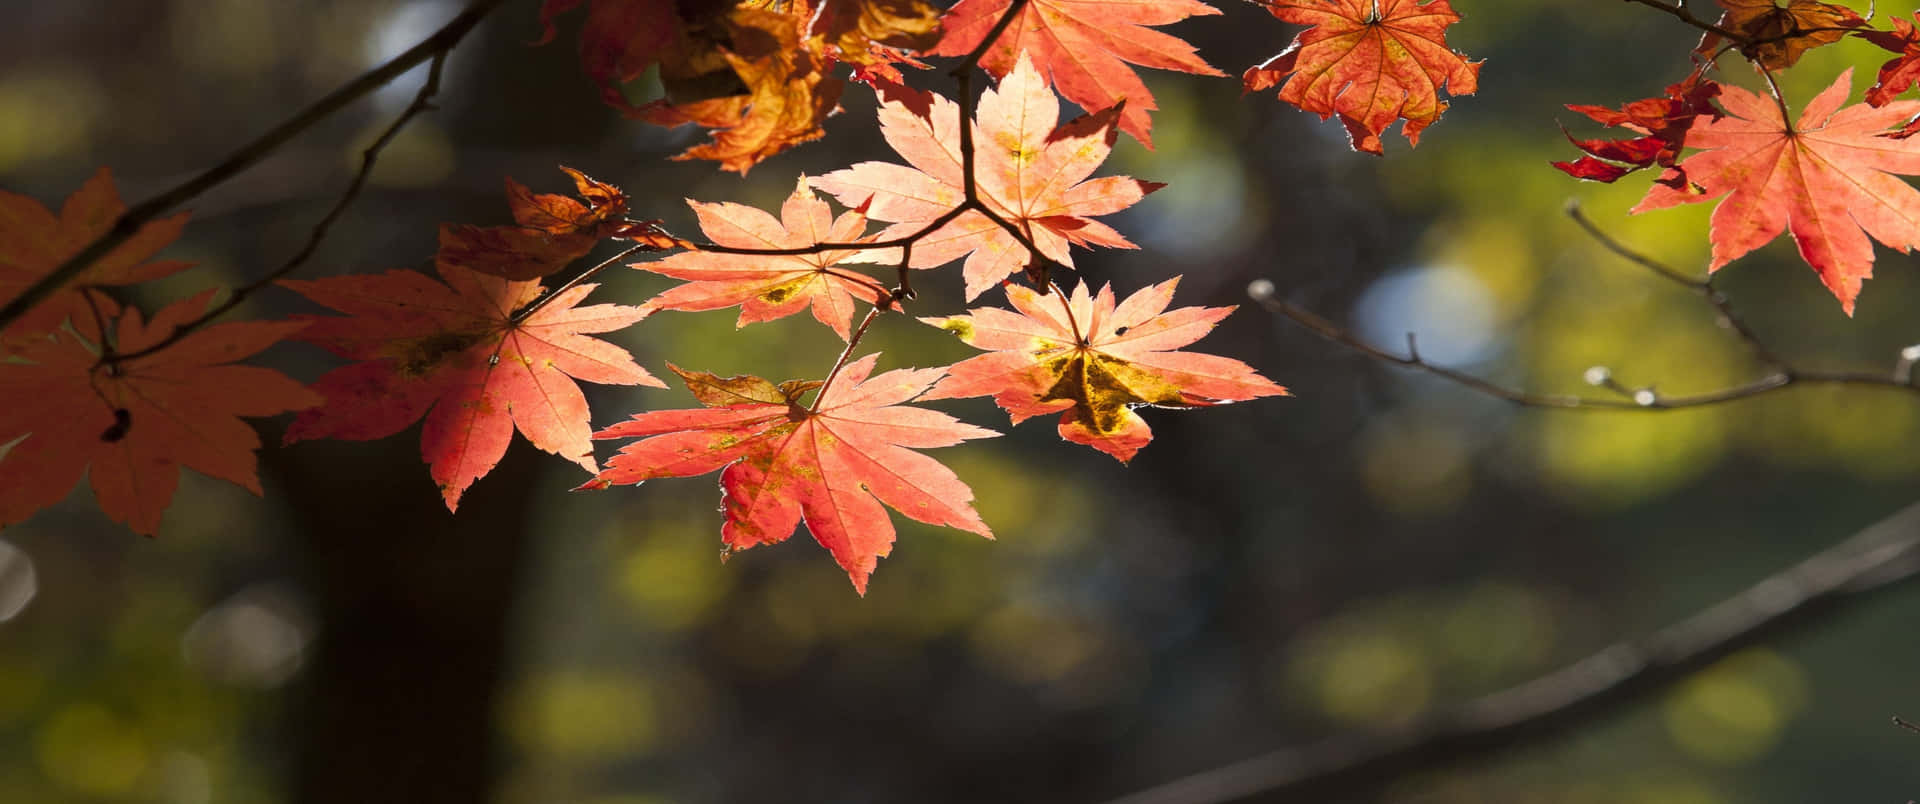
(1832, 582)
(239, 161)
(528, 311)
(1680, 12)
(422, 101)
(1703, 288)
(1781, 374)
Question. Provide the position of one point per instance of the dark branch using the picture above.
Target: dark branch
(1780, 374)
(146, 211)
(422, 101)
(1679, 11)
(1830, 583)
(1701, 287)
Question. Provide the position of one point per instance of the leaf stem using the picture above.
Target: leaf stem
(852, 341)
(527, 312)
(1080, 338)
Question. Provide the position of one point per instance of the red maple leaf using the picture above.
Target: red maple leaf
(1084, 47)
(768, 286)
(550, 231)
(1369, 61)
(1900, 73)
(1093, 362)
(1028, 171)
(1662, 122)
(454, 348)
(1826, 179)
(832, 466)
(33, 241)
(130, 427)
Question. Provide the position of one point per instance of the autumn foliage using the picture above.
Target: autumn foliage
(497, 338)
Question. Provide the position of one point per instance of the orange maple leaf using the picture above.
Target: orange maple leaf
(784, 93)
(875, 34)
(454, 348)
(1369, 61)
(33, 241)
(1785, 33)
(832, 466)
(130, 427)
(1028, 171)
(550, 232)
(768, 286)
(1826, 179)
(1084, 47)
(755, 74)
(1094, 361)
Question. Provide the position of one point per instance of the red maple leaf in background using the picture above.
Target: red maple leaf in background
(1900, 73)
(550, 231)
(1825, 178)
(1083, 47)
(1369, 61)
(768, 286)
(1028, 171)
(832, 466)
(130, 427)
(455, 349)
(1662, 122)
(1094, 362)
(33, 241)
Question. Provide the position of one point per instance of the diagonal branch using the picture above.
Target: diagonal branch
(1828, 584)
(422, 101)
(246, 157)
(1679, 10)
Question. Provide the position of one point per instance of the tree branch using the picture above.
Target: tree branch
(1830, 583)
(1781, 374)
(1679, 10)
(246, 157)
(422, 101)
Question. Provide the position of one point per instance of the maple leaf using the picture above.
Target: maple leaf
(1028, 171)
(550, 232)
(738, 68)
(787, 97)
(1784, 33)
(833, 466)
(874, 34)
(33, 241)
(1094, 361)
(768, 286)
(453, 348)
(1825, 178)
(129, 428)
(1084, 47)
(1369, 61)
(1899, 74)
(1662, 122)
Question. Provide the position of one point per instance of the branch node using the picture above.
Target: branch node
(1646, 398)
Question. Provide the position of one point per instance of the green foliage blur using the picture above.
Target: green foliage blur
(1262, 575)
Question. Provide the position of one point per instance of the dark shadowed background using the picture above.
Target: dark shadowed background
(1262, 575)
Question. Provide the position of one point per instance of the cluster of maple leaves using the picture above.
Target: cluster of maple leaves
(96, 388)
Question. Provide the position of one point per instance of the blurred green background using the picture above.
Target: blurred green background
(1262, 575)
